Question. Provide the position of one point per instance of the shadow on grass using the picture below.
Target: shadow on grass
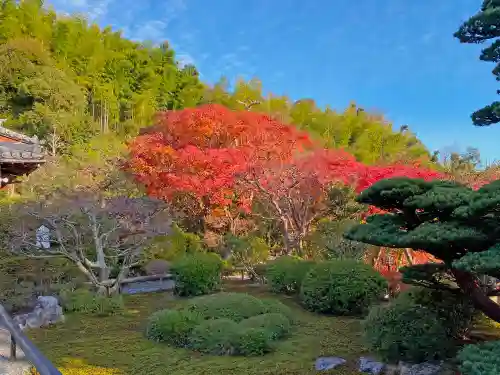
(117, 344)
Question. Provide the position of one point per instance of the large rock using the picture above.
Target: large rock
(47, 311)
(328, 363)
(425, 368)
(370, 366)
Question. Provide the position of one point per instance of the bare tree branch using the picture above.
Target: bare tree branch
(95, 232)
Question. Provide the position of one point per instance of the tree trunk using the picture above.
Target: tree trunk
(290, 238)
(471, 287)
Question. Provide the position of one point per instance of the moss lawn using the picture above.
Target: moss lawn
(116, 345)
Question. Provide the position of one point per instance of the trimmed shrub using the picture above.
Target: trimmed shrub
(407, 332)
(222, 324)
(233, 306)
(197, 274)
(341, 287)
(285, 274)
(455, 311)
(173, 246)
(274, 306)
(215, 336)
(172, 326)
(253, 342)
(275, 325)
(84, 301)
(481, 359)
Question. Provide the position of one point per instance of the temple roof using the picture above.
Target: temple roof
(22, 149)
(20, 153)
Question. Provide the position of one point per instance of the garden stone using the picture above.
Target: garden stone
(328, 363)
(391, 369)
(47, 311)
(370, 366)
(426, 368)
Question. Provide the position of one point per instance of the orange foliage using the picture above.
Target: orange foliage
(202, 151)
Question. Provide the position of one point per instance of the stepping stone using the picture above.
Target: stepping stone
(328, 363)
(370, 366)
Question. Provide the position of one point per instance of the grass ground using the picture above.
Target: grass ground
(116, 345)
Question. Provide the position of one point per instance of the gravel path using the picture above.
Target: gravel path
(17, 367)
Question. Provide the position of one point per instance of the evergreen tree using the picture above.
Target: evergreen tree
(483, 26)
(450, 221)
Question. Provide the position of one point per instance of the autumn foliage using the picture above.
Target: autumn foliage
(228, 158)
(202, 150)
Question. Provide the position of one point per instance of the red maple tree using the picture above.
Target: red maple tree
(200, 152)
(295, 192)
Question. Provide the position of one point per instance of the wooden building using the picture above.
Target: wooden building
(19, 155)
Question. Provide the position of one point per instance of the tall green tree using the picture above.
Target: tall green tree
(66, 80)
(484, 26)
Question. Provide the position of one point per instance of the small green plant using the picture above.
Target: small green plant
(172, 326)
(275, 325)
(84, 301)
(454, 309)
(481, 359)
(285, 274)
(197, 274)
(405, 331)
(246, 252)
(215, 336)
(253, 342)
(341, 287)
(173, 246)
(274, 306)
(233, 306)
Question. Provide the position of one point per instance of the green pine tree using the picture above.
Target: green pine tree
(483, 26)
(448, 220)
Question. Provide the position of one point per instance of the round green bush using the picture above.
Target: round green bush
(275, 325)
(253, 342)
(197, 274)
(407, 332)
(455, 311)
(285, 274)
(341, 287)
(172, 326)
(233, 306)
(275, 306)
(222, 324)
(215, 336)
(87, 302)
(481, 359)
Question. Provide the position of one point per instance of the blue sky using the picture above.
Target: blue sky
(397, 57)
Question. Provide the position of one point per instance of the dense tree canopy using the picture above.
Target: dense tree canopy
(201, 151)
(65, 80)
(229, 159)
(369, 137)
(454, 223)
(484, 26)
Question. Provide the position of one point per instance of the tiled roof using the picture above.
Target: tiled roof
(18, 136)
(20, 153)
(25, 150)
